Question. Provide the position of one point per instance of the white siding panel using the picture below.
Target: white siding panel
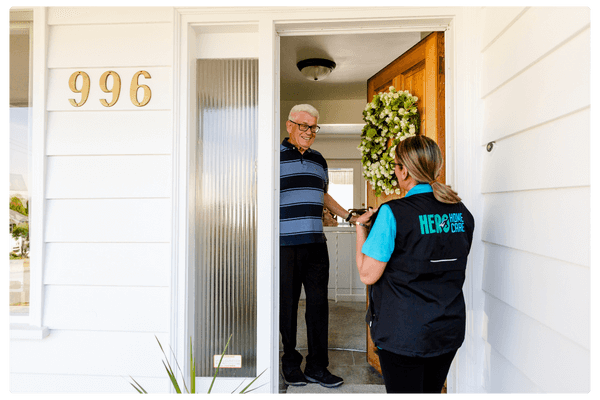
(70, 384)
(555, 86)
(534, 159)
(500, 376)
(105, 308)
(496, 20)
(114, 220)
(84, 353)
(94, 15)
(124, 132)
(108, 211)
(535, 33)
(550, 360)
(108, 176)
(109, 264)
(160, 84)
(552, 223)
(538, 287)
(110, 45)
(535, 86)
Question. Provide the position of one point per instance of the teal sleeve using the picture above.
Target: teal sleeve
(380, 242)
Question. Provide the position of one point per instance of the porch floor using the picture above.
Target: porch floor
(347, 351)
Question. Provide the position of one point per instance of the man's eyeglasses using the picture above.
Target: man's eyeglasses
(304, 127)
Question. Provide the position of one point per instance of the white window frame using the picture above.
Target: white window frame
(31, 325)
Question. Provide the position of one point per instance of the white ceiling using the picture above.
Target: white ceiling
(358, 57)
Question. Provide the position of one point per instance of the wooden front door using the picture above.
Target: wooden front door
(420, 71)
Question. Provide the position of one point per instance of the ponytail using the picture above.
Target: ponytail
(422, 158)
(444, 193)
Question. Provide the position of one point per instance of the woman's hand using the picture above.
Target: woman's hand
(366, 217)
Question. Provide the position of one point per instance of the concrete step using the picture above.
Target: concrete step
(344, 388)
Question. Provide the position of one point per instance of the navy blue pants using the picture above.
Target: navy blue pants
(402, 374)
(304, 265)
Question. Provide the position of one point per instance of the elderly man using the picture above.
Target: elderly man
(303, 252)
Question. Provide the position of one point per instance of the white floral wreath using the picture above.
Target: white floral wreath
(391, 115)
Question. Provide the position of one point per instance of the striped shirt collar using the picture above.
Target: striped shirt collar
(286, 143)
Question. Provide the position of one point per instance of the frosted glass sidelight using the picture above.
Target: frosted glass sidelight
(226, 213)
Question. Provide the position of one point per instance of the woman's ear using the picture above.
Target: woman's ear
(404, 173)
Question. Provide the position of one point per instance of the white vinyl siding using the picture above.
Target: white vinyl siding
(108, 215)
(536, 186)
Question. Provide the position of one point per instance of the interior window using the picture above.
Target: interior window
(341, 187)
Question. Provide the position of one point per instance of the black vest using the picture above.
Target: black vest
(417, 307)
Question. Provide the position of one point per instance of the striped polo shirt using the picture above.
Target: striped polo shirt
(303, 183)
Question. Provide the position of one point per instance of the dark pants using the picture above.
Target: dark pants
(306, 265)
(403, 374)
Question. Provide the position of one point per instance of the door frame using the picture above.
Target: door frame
(395, 25)
(183, 197)
(271, 25)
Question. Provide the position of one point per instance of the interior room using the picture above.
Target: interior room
(340, 98)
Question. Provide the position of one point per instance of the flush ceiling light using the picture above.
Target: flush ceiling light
(316, 69)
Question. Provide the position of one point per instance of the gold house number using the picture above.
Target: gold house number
(115, 90)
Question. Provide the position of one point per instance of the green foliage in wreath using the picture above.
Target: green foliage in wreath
(391, 116)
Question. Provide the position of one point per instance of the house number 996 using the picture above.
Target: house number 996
(115, 89)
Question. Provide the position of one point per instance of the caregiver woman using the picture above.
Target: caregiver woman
(415, 258)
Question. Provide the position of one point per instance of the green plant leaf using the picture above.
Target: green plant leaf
(139, 387)
(172, 377)
(168, 368)
(219, 365)
(192, 370)
(250, 384)
(180, 371)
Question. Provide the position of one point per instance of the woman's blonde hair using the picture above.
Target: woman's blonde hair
(422, 158)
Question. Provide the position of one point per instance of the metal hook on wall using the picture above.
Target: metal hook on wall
(490, 146)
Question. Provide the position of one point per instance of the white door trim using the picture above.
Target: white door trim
(184, 149)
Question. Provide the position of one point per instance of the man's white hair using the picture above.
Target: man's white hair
(304, 108)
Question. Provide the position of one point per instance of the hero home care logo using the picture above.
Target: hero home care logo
(446, 223)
